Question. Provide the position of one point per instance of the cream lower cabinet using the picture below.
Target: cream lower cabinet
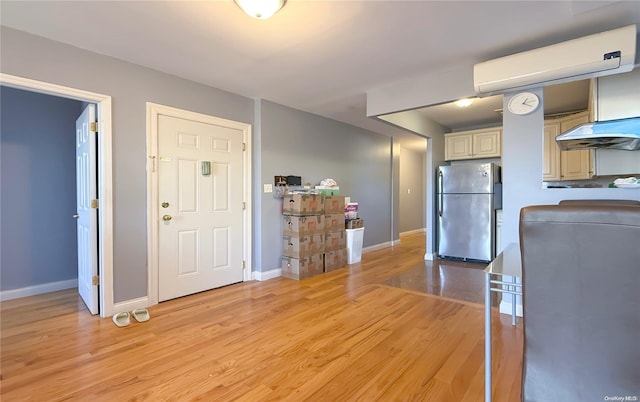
(565, 165)
(474, 144)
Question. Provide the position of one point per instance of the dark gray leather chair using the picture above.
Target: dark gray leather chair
(600, 202)
(581, 285)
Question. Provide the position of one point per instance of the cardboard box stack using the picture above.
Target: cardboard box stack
(335, 242)
(314, 236)
(303, 237)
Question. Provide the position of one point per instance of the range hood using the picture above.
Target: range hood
(622, 134)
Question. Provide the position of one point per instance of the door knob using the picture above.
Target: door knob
(76, 216)
(166, 218)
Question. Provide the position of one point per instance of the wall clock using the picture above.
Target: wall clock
(523, 103)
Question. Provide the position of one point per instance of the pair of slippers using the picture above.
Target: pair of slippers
(123, 319)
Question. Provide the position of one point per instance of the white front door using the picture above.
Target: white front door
(200, 190)
(87, 214)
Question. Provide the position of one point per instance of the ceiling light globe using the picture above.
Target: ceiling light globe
(260, 9)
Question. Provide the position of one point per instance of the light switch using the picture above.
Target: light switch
(268, 188)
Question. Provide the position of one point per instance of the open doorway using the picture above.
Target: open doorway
(45, 226)
(412, 186)
(39, 248)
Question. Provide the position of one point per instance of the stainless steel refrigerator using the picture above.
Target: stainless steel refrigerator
(468, 196)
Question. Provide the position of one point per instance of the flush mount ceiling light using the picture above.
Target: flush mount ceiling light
(464, 102)
(260, 9)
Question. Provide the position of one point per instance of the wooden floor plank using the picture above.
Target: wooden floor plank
(354, 334)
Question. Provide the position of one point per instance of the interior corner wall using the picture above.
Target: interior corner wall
(435, 158)
(394, 212)
(130, 87)
(314, 147)
(257, 196)
(38, 197)
(412, 190)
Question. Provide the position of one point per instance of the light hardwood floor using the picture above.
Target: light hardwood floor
(341, 336)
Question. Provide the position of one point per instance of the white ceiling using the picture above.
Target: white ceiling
(317, 56)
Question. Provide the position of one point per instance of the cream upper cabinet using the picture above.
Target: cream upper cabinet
(551, 160)
(569, 122)
(487, 143)
(457, 146)
(565, 165)
(474, 144)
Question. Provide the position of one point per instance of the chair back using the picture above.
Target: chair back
(581, 301)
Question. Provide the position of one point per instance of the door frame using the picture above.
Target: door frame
(153, 111)
(105, 174)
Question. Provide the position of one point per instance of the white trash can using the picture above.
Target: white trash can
(354, 245)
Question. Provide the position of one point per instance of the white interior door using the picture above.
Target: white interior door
(200, 213)
(87, 216)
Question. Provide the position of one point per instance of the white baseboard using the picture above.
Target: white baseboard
(429, 256)
(266, 275)
(505, 308)
(37, 289)
(422, 230)
(275, 273)
(378, 246)
(141, 302)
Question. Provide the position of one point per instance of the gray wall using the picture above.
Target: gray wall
(435, 158)
(522, 167)
(130, 86)
(285, 141)
(412, 177)
(38, 197)
(314, 147)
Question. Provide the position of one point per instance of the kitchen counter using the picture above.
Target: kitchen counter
(596, 182)
(592, 185)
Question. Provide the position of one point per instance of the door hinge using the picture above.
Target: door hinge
(244, 205)
(244, 146)
(94, 204)
(95, 280)
(153, 163)
(93, 126)
(244, 264)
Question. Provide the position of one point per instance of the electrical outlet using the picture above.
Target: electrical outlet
(268, 188)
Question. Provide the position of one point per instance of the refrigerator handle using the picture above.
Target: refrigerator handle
(440, 198)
